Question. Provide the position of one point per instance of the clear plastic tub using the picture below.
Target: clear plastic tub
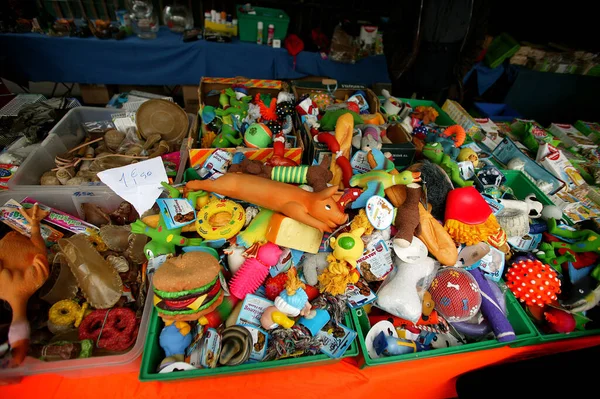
(65, 200)
(67, 134)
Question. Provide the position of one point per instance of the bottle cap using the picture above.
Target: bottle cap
(234, 22)
(260, 25)
(271, 26)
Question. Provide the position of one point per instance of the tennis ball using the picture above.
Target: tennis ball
(258, 135)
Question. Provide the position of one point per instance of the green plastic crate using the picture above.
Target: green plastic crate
(248, 24)
(501, 48)
(524, 330)
(522, 186)
(153, 355)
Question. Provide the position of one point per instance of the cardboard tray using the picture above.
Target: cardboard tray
(198, 155)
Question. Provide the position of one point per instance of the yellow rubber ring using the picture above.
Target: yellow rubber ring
(236, 223)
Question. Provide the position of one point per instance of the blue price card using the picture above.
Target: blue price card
(176, 212)
(335, 339)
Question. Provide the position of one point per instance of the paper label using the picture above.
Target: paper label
(527, 243)
(216, 165)
(359, 294)
(210, 349)
(359, 162)
(467, 170)
(260, 339)
(155, 263)
(335, 339)
(61, 219)
(123, 123)
(10, 215)
(252, 310)
(284, 263)
(176, 212)
(495, 206)
(380, 212)
(138, 183)
(376, 263)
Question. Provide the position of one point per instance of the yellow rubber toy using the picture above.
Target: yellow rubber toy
(208, 231)
(67, 313)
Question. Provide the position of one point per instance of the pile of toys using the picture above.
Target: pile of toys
(81, 282)
(243, 120)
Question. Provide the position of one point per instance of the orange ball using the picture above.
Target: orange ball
(533, 282)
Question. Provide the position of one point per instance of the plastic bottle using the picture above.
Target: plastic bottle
(270, 34)
(259, 33)
(207, 17)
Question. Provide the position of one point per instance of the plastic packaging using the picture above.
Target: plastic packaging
(259, 33)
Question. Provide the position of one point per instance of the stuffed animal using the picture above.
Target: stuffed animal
(435, 153)
(446, 143)
(407, 216)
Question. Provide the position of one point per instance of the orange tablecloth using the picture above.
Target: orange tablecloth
(426, 378)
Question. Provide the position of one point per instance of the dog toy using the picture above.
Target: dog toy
(400, 295)
(407, 216)
(514, 217)
(447, 144)
(344, 128)
(236, 344)
(174, 339)
(251, 167)
(218, 316)
(387, 345)
(23, 270)
(187, 286)
(456, 294)
(258, 135)
(336, 277)
(491, 310)
(313, 266)
(315, 176)
(293, 301)
(340, 158)
(256, 230)
(98, 280)
(457, 133)
(586, 240)
(254, 271)
(64, 315)
(426, 114)
(269, 112)
(162, 241)
(318, 210)
(436, 238)
(376, 182)
(469, 219)
(278, 158)
(468, 154)
(435, 153)
(533, 282)
(232, 223)
(547, 255)
(286, 232)
(348, 246)
(559, 320)
(112, 329)
(228, 137)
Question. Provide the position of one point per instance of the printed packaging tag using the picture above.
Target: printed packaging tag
(376, 263)
(216, 165)
(335, 339)
(252, 310)
(260, 340)
(493, 264)
(359, 162)
(359, 294)
(177, 212)
(61, 219)
(10, 215)
(527, 243)
(495, 206)
(380, 212)
(284, 263)
(467, 170)
(155, 263)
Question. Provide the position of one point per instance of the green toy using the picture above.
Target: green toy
(328, 121)
(587, 240)
(547, 255)
(227, 138)
(163, 241)
(435, 153)
(256, 230)
(376, 182)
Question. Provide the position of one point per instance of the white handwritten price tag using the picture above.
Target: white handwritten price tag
(138, 183)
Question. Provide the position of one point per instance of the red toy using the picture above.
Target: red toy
(533, 282)
(560, 321)
(456, 294)
(331, 142)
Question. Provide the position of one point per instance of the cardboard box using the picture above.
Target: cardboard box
(208, 94)
(191, 99)
(557, 163)
(315, 151)
(571, 137)
(491, 136)
(95, 94)
(461, 117)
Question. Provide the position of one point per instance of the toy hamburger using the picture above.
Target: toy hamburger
(187, 287)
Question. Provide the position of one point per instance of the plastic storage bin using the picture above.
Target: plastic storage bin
(502, 47)
(248, 23)
(75, 368)
(522, 186)
(523, 327)
(153, 355)
(67, 134)
(497, 112)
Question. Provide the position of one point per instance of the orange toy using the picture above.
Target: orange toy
(457, 133)
(344, 128)
(23, 270)
(373, 119)
(533, 282)
(318, 210)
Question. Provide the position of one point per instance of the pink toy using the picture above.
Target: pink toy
(254, 271)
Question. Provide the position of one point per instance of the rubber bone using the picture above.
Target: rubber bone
(399, 296)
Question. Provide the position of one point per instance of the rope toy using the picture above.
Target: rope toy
(113, 329)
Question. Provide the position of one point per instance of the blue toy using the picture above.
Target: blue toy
(388, 345)
(174, 339)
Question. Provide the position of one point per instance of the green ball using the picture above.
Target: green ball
(258, 135)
